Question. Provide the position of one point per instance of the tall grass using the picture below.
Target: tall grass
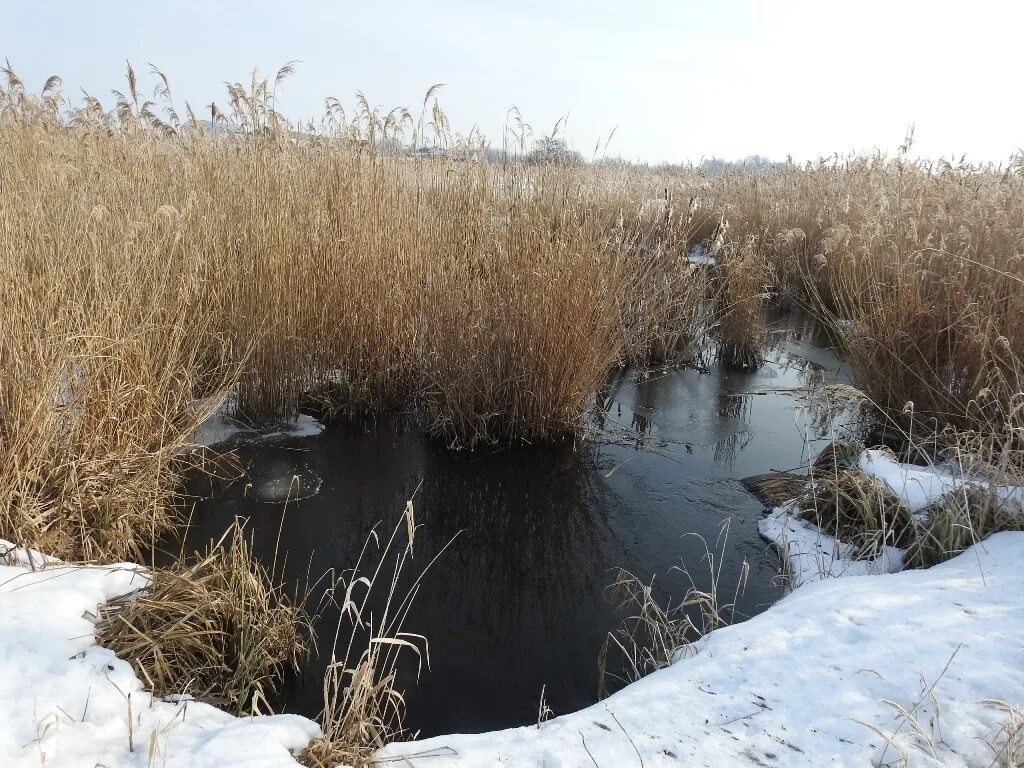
(150, 260)
(149, 263)
(364, 704)
(918, 266)
(658, 632)
(102, 355)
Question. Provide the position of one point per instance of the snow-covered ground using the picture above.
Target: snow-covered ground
(921, 486)
(807, 682)
(810, 554)
(66, 703)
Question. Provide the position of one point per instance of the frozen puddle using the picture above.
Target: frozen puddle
(280, 482)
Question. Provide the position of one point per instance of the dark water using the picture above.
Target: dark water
(519, 600)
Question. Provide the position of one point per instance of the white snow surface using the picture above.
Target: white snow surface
(810, 554)
(804, 683)
(701, 257)
(64, 701)
(921, 486)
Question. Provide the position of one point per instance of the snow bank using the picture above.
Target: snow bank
(810, 554)
(803, 684)
(920, 487)
(64, 702)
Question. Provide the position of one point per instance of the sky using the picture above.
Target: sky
(679, 81)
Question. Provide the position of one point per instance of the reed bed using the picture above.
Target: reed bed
(152, 262)
(919, 268)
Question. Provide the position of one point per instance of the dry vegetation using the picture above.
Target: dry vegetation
(920, 268)
(215, 626)
(364, 707)
(151, 260)
(657, 632)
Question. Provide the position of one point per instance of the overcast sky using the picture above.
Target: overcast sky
(681, 80)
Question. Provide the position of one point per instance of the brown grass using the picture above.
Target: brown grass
(855, 508)
(364, 705)
(744, 280)
(654, 635)
(920, 268)
(215, 626)
(848, 504)
(150, 262)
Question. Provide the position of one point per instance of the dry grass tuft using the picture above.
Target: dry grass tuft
(836, 456)
(216, 627)
(776, 488)
(653, 637)
(364, 706)
(856, 509)
(957, 521)
(1008, 743)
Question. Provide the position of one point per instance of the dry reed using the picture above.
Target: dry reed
(364, 705)
(215, 626)
(653, 637)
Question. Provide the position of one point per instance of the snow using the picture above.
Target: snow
(701, 257)
(919, 487)
(804, 683)
(810, 554)
(219, 426)
(823, 677)
(66, 703)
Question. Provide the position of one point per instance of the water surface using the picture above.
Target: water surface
(519, 600)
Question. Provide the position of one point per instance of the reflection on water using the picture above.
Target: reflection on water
(519, 600)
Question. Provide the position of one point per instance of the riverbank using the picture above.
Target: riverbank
(65, 702)
(817, 679)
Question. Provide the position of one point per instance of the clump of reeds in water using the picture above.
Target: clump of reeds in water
(861, 510)
(215, 626)
(743, 280)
